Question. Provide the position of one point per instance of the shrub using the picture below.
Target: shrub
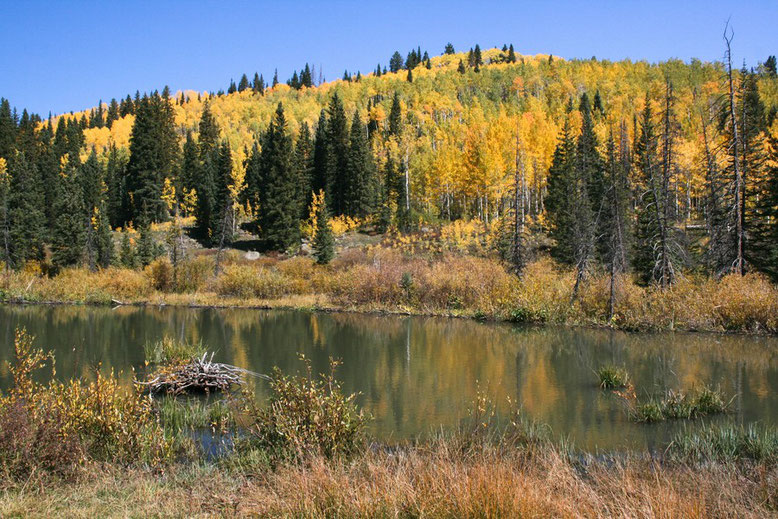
(248, 281)
(193, 274)
(160, 272)
(306, 417)
(96, 420)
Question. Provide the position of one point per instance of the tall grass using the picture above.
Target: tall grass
(726, 443)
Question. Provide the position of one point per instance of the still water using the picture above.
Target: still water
(417, 374)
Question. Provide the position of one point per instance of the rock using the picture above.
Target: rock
(252, 255)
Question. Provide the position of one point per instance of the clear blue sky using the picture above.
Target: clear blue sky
(65, 55)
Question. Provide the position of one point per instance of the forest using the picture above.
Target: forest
(654, 171)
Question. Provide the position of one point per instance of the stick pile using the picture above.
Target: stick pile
(198, 375)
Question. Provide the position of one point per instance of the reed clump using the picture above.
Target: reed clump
(613, 377)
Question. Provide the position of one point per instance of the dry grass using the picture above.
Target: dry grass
(428, 481)
(386, 279)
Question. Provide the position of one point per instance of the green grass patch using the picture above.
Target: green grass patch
(172, 351)
(613, 377)
(677, 405)
(726, 443)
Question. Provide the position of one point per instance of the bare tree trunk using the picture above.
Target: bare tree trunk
(734, 147)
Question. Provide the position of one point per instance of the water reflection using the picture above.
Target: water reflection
(415, 374)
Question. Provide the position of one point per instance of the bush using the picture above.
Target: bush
(308, 417)
(193, 274)
(160, 272)
(89, 420)
(247, 281)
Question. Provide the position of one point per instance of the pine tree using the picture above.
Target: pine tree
(69, 235)
(243, 84)
(396, 62)
(7, 131)
(232, 88)
(409, 77)
(461, 67)
(127, 257)
(477, 60)
(770, 66)
(320, 155)
(258, 85)
(279, 212)
(359, 172)
(275, 78)
(25, 215)
(511, 54)
(561, 198)
(205, 175)
(338, 150)
(146, 250)
(303, 156)
(449, 49)
(112, 114)
(323, 241)
(153, 153)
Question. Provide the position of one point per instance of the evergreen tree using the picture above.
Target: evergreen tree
(7, 131)
(25, 215)
(461, 67)
(409, 77)
(395, 117)
(146, 250)
(279, 212)
(258, 85)
(770, 67)
(275, 78)
(127, 258)
(511, 54)
(232, 88)
(306, 78)
(337, 153)
(449, 49)
(323, 241)
(303, 156)
(69, 236)
(477, 60)
(561, 198)
(359, 172)
(153, 151)
(205, 175)
(396, 62)
(112, 114)
(320, 155)
(243, 84)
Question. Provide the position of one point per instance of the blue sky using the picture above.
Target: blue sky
(59, 56)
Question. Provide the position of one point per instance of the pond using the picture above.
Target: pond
(418, 374)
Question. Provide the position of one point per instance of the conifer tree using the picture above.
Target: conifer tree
(303, 156)
(112, 114)
(25, 214)
(323, 241)
(359, 172)
(477, 59)
(69, 236)
(243, 84)
(127, 258)
(320, 155)
(222, 220)
(511, 54)
(395, 117)
(7, 131)
(279, 212)
(561, 198)
(461, 67)
(146, 250)
(338, 150)
(396, 62)
(449, 49)
(275, 78)
(409, 77)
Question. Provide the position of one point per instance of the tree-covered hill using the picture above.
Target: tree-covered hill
(576, 149)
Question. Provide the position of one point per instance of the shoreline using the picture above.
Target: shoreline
(386, 312)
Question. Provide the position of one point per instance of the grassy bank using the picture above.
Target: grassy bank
(381, 278)
(91, 448)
